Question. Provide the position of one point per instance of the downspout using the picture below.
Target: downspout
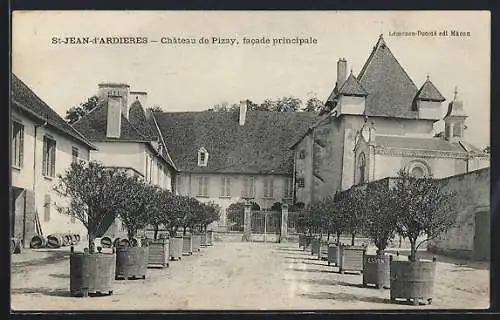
(34, 173)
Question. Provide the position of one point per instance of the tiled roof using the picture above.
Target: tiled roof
(137, 117)
(93, 126)
(352, 87)
(413, 143)
(26, 99)
(261, 145)
(390, 90)
(429, 92)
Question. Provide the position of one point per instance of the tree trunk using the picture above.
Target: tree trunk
(353, 235)
(184, 231)
(328, 236)
(413, 250)
(338, 238)
(155, 236)
(91, 243)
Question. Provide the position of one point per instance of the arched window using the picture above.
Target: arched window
(418, 169)
(362, 167)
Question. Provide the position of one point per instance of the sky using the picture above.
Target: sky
(192, 77)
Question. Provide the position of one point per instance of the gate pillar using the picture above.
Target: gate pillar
(284, 222)
(247, 223)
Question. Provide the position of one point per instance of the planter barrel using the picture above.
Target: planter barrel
(67, 239)
(38, 242)
(351, 258)
(131, 263)
(333, 254)
(376, 270)
(54, 240)
(106, 242)
(187, 245)
(196, 242)
(203, 242)
(315, 246)
(158, 253)
(91, 273)
(210, 238)
(175, 245)
(323, 251)
(412, 280)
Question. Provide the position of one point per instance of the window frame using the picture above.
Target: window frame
(74, 156)
(49, 156)
(203, 182)
(268, 188)
(247, 187)
(288, 188)
(301, 182)
(17, 147)
(225, 191)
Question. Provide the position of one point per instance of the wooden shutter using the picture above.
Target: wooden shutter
(205, 186)
(53, 158)
(21, 146)
(45, 158)
(271, 187)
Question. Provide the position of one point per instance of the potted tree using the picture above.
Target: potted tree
(210, 213)
(96, 194)
(336, 225)
(351, 208)
(192, 211)
(177, 213)
(158, 248)
(131, 260)
(425, 209)
(380, 227)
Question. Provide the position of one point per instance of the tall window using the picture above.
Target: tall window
(17, 144)
(301, 182)
(248, 187)
(203, 186)
(49, 157)
(288, 188)
(202, 157)
(362, 167)
(74, 154)
(268, 187)
(225, 187)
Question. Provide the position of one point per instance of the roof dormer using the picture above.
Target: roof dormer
(202, 157)
(428, 101)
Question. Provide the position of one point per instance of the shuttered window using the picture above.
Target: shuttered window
(288, 188)
(268, 187)
(225, 187)
(203, 186)
(74, 154)
(49, 157)
(248, 187)
(17, 144)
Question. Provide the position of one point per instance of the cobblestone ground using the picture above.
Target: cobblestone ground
(236, 275)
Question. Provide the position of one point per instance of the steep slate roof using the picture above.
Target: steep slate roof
(429, 92)
(352, 87)
(390, 90)
(412, 143)
(24, 98)
(259, 146)
(137, 117)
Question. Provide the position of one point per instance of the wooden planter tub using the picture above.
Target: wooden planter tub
(91, 274)
(302, 240)
(158, 253)
(196, 242)
(210, 238)
(187, 245)
(376, 271)
(351, 258)
(315, 246)
(131, 263)
(307, 242)
(203, 242)
(175, 245)
(55, 241)
(333, 254)
(412, 281)
(323, 251)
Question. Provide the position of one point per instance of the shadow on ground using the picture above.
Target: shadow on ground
(59, 275)
(53, 257)
(311, 270)
(480, 265)
(44, 291)
(330, 283)
(303, 258)
(344, 297)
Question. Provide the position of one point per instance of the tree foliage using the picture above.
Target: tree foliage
(75, 113)
(381, 215)
(96, 194)
(236, 214)
(313, 104)
(424, 208)
(284, 104)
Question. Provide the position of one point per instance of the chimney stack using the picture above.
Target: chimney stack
(116, 89)
(140, 96)
(341, 72)
(113, 126)
(243, 112)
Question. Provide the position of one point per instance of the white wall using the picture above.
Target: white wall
(43, 186)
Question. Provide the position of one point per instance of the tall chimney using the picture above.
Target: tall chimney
(341, 71)
(114, 123)
(116, 89)
(243, 112)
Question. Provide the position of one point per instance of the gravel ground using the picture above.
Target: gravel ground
(236, 275)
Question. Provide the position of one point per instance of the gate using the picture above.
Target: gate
(292, 225)
(265, 225)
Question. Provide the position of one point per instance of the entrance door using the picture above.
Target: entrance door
(482, 235)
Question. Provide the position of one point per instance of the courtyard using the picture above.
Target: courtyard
(238, 275)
